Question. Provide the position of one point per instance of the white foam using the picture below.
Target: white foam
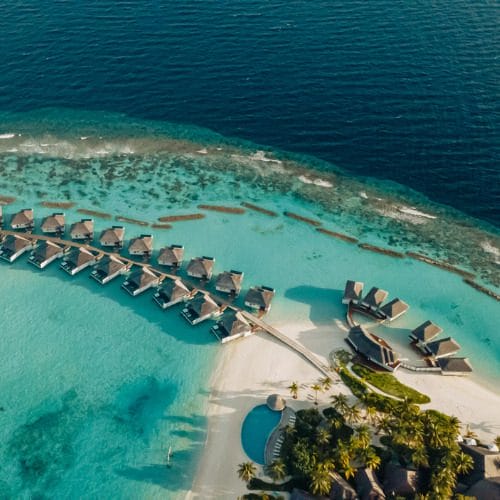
(83, 138)
(7, 136)
(316, 182)
(363, 195)
(488, 247)
(202, 151)
(261, 156)
(402, 216)
(414, 211)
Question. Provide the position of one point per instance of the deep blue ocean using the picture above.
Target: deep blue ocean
(400, 90)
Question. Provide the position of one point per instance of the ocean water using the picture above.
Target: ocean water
(406, 91)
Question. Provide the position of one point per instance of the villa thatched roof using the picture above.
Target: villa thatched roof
(353, 291)
(394, 308)
(275, 402)
(203, 305)
(79, 256)
(444, 347)
(110, 265)
(82, 229)
(200, 267)
(375, 297)
(174, 289)
(14, 243)
(112, 236)
(234, 323)
(46, 249)
(229, 280)
(141, 245)
(370, 347)
(455, 365)
(143, 277)
(260, 297)
(22, 218)
(426, 332)
(171, 255)
(53, 223)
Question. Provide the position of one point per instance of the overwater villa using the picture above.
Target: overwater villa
(143, 245)
(200, 309)
(54, 224)
(229, 282)
(83, 230)
(13, 246)
(45, 253)
(425, 333)
(171, 256)
(77, 260)
(201, 267)
(353, 292)
(441, 348)
(112, 237)
(374, 299)
(260, 297)
(170, 293)
(108, 268)
(373, 348)
(140, 281)
(232, 326)
(454, 366)
(394, 309)
(24, 219)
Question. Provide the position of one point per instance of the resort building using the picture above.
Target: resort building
(170, 293)
(13, 246)
(394, 309)
(142, 245)
(24, 219)
(441, 348)
(400, 482)
(54, 224)
(373, 348)
(374, 299)
(77, 260)
(229, 282)
(454, 366)
(485, 463)
(260, 297)
(352, 292)
(113, 237)
(201, 267)
(83, 230)
(340, 489)
(171, 256)
(232, 326)
(425, 332)
(201, 308)
(367, 485)
(108, 268)
(45, 253)
(140, 281)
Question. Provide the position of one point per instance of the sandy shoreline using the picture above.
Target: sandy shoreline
(250, 369)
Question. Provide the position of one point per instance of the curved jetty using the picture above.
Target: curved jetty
(57, 204)
(384, 251)
(180, 218)
(102, 215)
(442, 265)
(261, 210)
(300, 218)
(121, 218)
(220, 208)
(340, 236)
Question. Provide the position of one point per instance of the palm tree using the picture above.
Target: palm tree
(497, 441)
(469, 432)
(463, 463)
(363, 436)
(247, 471)
(371, 414)
(316, 388)
(349, 471)
(419, 457)
(277, 470)
(294, 390)
(322, 436)
(371, 459)
(326, 383)
(353, 414)
(340, 403)
(320, 480)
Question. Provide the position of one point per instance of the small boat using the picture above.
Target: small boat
(169, 456)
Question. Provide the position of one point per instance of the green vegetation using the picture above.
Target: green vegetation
(247, 471)
(389, 384)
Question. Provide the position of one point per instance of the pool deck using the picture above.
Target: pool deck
(273, 444)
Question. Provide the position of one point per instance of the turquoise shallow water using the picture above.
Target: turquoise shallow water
(96, 384)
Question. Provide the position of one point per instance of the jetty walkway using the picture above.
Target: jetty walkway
(295, 346)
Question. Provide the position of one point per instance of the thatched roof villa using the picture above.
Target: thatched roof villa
(394, 309)
(171, 256)
(45, 253)
(140, 281)
(232, 326)
(260, 297)
(143, 245)
(200, 309)
(83, 230)
(170, 293)
(108, 268)
(13, 246)
(440, 348)
(374, 298)
(353, 292)
(229, 282)
(54, 224)
(113, 237)
(77, 260)
(201, 267)
(24, 219)
(425, 332)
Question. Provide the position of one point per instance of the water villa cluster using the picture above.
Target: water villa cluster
(438, 354)
(171, 288)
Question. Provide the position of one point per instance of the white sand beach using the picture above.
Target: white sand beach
(250, 369)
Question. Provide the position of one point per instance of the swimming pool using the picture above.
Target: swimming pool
(257, 427)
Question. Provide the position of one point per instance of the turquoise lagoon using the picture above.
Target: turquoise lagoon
(96, 385)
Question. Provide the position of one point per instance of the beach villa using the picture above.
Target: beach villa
(200, 309)
(83, 230)
(425, 333)
(170, 293)
(77, 260)
(112, 237)
(13, 246)
(232, 326)
(394, 309)
(171, 256)
(229, 282)
(353, 292)
(54, 224)
(372, 348)
(143, 245)
(45, 253)
(108, 268)
(260, 297)
(24, 219)
(140, 281)
(201, 267)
